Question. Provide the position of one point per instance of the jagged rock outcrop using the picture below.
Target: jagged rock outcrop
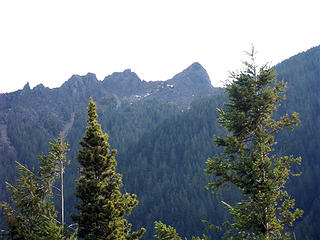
(194, 79)
(79, 87)
(124, 83)
(184, 87)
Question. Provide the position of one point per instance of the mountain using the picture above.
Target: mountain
(128, 107)
(54, 108)
(163, 132)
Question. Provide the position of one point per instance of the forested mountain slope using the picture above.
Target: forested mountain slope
(30, 117)
(302, 72)
(162, 140)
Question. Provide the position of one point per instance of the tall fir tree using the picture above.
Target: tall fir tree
(31, 213)
(103, 207)
(249, 161)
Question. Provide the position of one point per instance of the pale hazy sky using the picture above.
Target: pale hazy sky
(47, 41)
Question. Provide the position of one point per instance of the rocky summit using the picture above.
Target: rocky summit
(124, 86)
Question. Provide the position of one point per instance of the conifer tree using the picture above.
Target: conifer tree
(249, 161)
(54, 164)
(103, 207)
(32, 214)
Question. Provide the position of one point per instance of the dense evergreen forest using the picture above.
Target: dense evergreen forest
(162, 148)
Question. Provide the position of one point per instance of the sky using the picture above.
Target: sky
(46, 42)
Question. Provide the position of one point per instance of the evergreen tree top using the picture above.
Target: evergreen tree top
(249, 161)
(92, 112)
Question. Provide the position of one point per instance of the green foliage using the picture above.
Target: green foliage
(167, 171)
(249, 161)
(103, 206)
(164, 232)
(50, 165)
(32, 214)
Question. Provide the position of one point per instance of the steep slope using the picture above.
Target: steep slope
(302, 73)
(165, 169)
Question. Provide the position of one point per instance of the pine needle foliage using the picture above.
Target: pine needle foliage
(249, 161)
(31, 213)
(103, 207)
(164, 232)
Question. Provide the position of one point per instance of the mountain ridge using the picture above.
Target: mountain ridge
(180, 90)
